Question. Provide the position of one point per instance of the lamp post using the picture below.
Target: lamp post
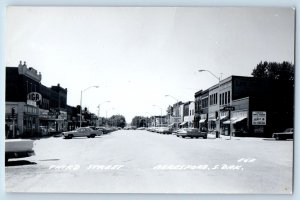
(106, 114)
(99, 106)
(167, 95)
(160, 112)
(95, 86)
(218, 95)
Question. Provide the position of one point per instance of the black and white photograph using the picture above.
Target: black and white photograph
(160, 100)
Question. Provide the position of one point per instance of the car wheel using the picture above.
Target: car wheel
(183, 136)
(70, 136)
(177, 135)
(205, 137)
(92, 136)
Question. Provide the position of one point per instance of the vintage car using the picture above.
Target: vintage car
(287, 134)
(18, 148)
(191, 132)
(82, 132)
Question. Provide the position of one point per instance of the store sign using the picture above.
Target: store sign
(34, 96)
(259, 118)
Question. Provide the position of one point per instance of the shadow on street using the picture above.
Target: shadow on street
(19, 162)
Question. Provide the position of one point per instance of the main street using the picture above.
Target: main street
(137, 161)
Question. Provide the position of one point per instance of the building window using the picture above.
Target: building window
(222, 98)
(225, 97)
(228, 96)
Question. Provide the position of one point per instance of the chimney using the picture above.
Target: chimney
(24, 64)
(20, 64)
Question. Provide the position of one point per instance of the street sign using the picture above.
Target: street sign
(259, 118)
(228, 108)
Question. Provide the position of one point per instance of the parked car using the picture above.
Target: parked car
(82, 132)
(287, 134)
(191, 132)
(103, 129)
(164, 130)
(141, 128)
(18, 148)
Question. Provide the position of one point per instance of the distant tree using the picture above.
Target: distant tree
(274, 70)
(117, 120)
(139, 121)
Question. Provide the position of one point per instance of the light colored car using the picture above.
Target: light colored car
(82, 132)
(191, 132)
(18, 148)
(164, 130)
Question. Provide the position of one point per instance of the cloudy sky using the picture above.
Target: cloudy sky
(138, 55)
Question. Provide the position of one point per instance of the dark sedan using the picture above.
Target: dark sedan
(191, 132)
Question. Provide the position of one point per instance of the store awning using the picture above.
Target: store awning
(239, 119)
(183, 123)
(202, 120)
(226, 122)
(171, 125)
(223, 117)
(212, 119)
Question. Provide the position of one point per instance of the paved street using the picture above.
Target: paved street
(138, 161)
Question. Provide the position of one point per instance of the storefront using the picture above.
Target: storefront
(203, 122)
(239, 123)
(212, 121)
(224, 125)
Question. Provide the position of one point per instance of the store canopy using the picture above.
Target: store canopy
(212, 119)
(171, 125)
(239, 119)
(223, 117)
(202, 120)
(226, 122)
(183, 123)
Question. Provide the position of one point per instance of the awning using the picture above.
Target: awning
(183, 123)
(171, 125)
(202, 120)
(226, 122)
(212, 119)
(239, 119)
(223, 117)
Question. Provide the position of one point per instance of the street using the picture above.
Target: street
(137, 161)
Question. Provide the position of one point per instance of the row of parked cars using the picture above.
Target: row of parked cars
(183, 132)
(90, 132)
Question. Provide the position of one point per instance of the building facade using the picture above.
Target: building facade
(32, 109)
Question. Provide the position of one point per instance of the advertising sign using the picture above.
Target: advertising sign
(34, 96)
(259, 118)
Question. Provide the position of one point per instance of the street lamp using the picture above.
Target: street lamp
(160, 113)
(218, 95)
(95, 86)
(100, 106)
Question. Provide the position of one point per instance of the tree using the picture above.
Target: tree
(274, 70)
(139, 121)
(117, 120)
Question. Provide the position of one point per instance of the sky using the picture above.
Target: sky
(137, 55)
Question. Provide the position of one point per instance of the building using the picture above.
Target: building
(201, 109)
(188, 115)
(246, 106)
(32, 109)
